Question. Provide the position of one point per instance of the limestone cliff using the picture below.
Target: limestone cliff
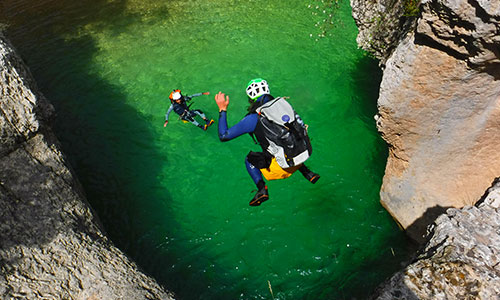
(439, 104)
(439, 111)
(51, 245)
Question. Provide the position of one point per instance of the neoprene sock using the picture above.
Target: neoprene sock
(261, 184)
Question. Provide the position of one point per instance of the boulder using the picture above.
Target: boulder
(460, 261)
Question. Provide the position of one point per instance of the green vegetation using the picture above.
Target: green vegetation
(411, 8)
(383, 24)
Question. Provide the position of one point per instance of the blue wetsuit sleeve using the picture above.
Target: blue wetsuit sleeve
(245, 125)
(170, 108)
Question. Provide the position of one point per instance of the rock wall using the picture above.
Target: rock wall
(439, 108)
(51, 243)
(460, 261)
(382, 24)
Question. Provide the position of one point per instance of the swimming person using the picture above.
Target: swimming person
(178, 103)
(278, 129)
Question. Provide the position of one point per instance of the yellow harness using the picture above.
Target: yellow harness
(274, 171)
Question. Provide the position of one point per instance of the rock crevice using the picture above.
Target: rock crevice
(467, 30)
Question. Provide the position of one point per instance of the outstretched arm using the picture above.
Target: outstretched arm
(196, 95)
(246, 125)
(170, 108)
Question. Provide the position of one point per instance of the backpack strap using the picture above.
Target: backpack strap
(253, 138)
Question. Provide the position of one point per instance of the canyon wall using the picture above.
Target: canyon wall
(51, 243)
(439, 103)
(439, 112)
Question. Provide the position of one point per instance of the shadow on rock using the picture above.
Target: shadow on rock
(94, 126)
(418, 229)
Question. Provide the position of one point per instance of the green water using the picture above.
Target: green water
(176, 199)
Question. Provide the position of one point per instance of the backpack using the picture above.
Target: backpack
(282, 133)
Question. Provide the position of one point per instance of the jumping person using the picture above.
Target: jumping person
(178, 103)
(285, 144)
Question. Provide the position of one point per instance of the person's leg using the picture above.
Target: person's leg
(262, 193)
(253, 172)
(308, 174)
(202, 115)
(190, 118)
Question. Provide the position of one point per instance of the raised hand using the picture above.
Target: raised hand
(222, 101)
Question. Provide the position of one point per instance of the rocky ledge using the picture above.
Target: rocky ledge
(51, 243)
(459, 262)
(439, 104)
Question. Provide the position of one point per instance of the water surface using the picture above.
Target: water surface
(176, 199)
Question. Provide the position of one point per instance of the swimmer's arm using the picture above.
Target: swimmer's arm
(196, 95)
(246, 125)
(170, 108)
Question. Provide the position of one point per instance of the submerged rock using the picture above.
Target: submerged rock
(51, 243)
(439, 110)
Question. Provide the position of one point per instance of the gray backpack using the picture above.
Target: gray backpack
(282, 133)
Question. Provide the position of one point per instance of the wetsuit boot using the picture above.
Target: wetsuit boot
(308, 174)
(261, 196)
(203, 127)
(208, 122)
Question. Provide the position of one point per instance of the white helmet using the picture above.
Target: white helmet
(256, 88)
(176, 96)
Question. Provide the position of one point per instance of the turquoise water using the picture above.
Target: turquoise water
(176, 199)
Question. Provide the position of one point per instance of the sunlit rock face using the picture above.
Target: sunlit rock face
(439, 111)
(51, 244)
(460, 261)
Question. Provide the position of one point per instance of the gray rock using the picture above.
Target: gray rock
(382, 25)
(460, 261)
(51, 243)
(468, 30)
